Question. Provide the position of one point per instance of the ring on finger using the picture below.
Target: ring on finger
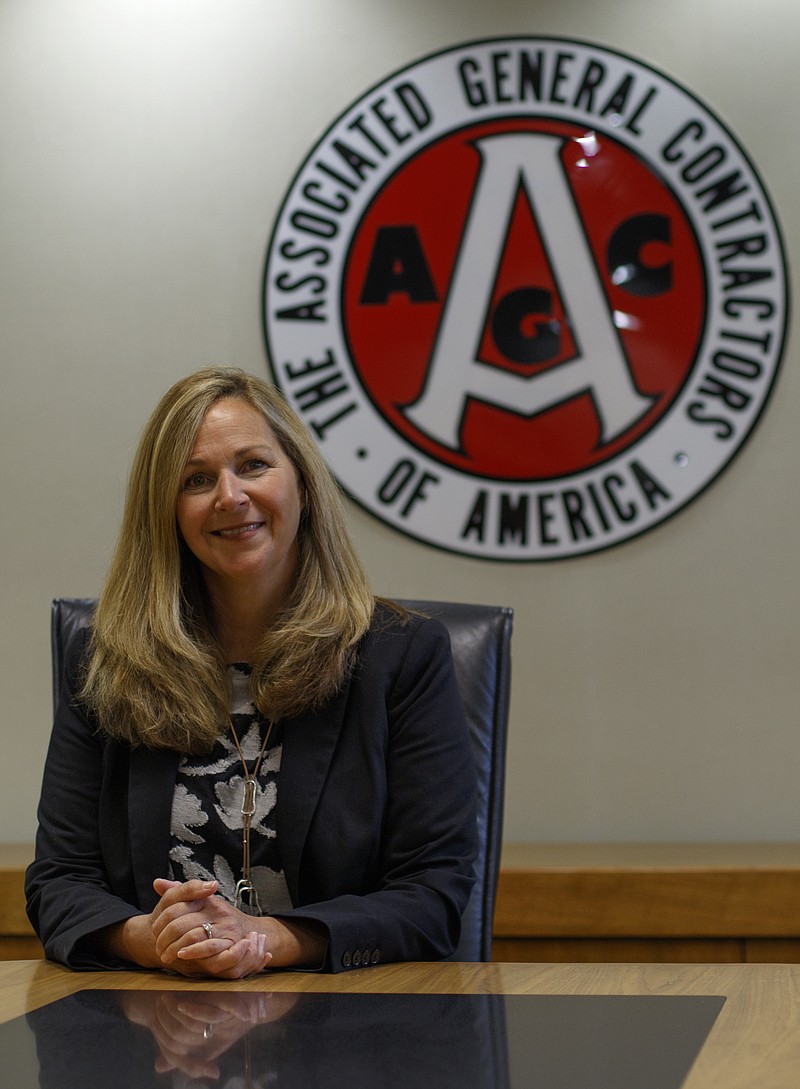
(209, 930)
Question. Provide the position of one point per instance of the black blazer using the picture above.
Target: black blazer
(375, 818)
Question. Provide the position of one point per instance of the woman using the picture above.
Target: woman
(254, 763)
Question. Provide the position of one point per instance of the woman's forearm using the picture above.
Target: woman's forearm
(295, 943)
(131, 940)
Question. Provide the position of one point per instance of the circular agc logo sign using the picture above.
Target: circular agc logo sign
(530, 296)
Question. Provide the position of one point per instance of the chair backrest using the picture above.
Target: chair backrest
(481, 641)
(68, 614)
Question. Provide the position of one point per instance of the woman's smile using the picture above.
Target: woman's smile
(238, 531)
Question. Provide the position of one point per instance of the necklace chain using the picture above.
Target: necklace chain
(246, 897)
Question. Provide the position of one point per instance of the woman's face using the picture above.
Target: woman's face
(240, 502)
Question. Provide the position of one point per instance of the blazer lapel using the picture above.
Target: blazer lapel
(309, 741)
(151, 783)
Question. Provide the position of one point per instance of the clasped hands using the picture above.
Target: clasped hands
(197, 933)
(193, 931)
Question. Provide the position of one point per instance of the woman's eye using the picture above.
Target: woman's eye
(196, 480)
(254, 465)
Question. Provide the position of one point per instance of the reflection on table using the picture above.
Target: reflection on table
(294, 1041)
(368, 1041)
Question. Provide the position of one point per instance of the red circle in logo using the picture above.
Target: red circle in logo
(646, 269)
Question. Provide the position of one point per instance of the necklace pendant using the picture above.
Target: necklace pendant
(246, 898)
(249, 797)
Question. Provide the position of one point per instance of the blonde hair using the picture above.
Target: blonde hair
(155, 674)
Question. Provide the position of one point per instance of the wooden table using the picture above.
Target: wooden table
(754, 1044)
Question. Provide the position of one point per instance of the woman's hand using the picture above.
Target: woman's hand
(236, 946)
(173, 936)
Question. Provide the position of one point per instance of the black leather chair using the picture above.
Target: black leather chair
(481, 641)
(481, 638)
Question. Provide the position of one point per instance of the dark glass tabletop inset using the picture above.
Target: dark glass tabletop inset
(244, 1039)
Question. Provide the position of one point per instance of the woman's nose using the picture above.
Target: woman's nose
(230, 493)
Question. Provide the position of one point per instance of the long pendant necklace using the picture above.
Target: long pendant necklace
(245, 896)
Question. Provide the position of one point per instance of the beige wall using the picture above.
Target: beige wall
(145, 147)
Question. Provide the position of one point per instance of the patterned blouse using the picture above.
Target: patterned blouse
(206, 826)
